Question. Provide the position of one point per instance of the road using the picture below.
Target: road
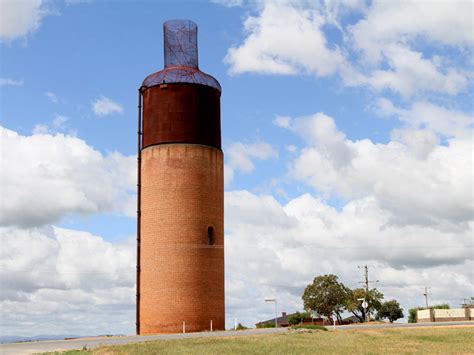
(89, 343)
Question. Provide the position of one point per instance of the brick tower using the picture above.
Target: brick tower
(180, 267)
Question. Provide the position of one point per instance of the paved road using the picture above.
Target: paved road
(77, 344)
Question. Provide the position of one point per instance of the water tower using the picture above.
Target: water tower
(180, 234)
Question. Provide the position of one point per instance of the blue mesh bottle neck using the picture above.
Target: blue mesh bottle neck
(180, 44)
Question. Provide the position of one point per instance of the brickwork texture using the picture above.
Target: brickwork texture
(182, 274)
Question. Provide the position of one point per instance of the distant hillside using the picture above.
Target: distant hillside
(15, 338)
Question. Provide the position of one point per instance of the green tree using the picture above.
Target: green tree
(326, 296)
(297, 317)
(412, 314)
(390, 310)
(240, 326)
(374, 299)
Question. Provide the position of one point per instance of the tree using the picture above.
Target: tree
(412, 314)
(298, 317)
(240, 326)
(326, 296)
(391, 310)
(374, 299)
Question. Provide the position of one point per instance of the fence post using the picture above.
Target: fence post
(211, 325)
(184, 327)
(432, 315)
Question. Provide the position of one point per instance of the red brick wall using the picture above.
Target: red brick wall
(182, 277)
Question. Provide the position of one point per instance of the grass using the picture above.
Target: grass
(382, 341)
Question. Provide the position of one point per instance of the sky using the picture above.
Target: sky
(347, 132)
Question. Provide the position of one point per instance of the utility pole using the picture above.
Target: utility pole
(366, 268)
(426, 296)
(366, 271)
(366, 286)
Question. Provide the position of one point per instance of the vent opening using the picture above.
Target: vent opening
(210, 236)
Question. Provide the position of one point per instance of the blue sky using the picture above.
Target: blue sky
(344, 127)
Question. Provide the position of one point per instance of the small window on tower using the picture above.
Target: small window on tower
(210, 236)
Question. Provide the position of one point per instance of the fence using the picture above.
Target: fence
(445, 315)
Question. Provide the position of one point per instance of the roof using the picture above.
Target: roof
(280, 320)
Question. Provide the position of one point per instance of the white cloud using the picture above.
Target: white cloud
(282, 121)
(20, 18)
(10, 82)
(441, 120)
(240, 157)
(104, 106)
(415, 179)
(50, 176)
(75, 2)
(52, 96)
(449, 23)
(385, 40)
(75, 282)
(409, 73)
(276, 250)
(322, 131)
(228, 3)
(420, 142)
(334, 11)
(40, 129)
(284, 39)
(59, 278)
(68, 281)
(57, 126)
(59, 121)
(405, 54)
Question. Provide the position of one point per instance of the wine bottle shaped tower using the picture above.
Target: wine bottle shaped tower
(180, 217)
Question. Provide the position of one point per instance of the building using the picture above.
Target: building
(445, 315)
(180, 214)
(282, 321)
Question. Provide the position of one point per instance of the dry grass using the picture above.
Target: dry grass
(444, 340)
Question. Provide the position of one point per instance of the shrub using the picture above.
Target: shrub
(240, 326)
(412, 314)
(266, 325)
(310, 326)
